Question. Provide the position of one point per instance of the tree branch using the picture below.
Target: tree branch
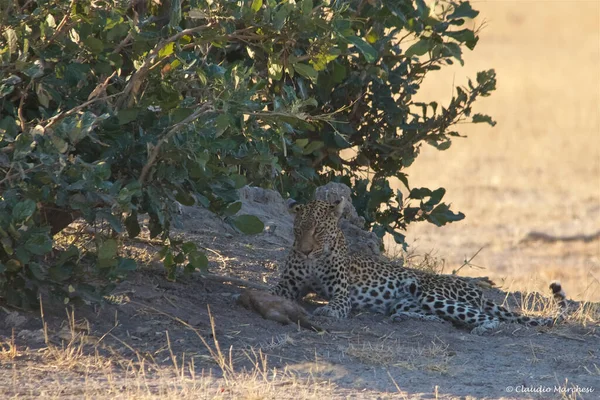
(58, 117)
(205, 109)
(135, 82)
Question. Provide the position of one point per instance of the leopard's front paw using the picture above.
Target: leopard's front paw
(328, 311)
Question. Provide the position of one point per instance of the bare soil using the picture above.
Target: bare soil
(366, 356)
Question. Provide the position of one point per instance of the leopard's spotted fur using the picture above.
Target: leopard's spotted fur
(319, 261)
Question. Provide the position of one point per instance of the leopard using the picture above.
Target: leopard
(320, 262)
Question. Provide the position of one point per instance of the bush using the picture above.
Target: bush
(114, 110)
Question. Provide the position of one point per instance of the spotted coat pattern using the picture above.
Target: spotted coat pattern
(319, 262)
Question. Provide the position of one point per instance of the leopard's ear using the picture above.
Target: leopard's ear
(338, 207)
(293, 206)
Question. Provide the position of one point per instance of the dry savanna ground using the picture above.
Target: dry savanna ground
(530, 188)
(538, 170)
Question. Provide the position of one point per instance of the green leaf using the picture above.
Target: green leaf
(128, 115)
(465, 36)
(248, 224)
(188, 247)
(436, 196)
(239, 180)
(478, 118)
(7, 245)
(372, 36)
(125, 265)
(117, 32)
(365, 48)
(441, 215)
(108, 249)
(222, 123)
(233, 209)
(179, 258)
(306, 71)
(170, 266)
(419, 48)
(440, 145)
(339, 73)
(301, 142)
(60, 273)
(94, 44)
(23, 210)
(185, 198)
(13, 265)
(167, 50)
(42, 95)
(456, 52)
(463, 10)
(132, 225)
(281, 15)
(12, 40)
(341, 141)
(175, 18)
(398, 237)
(307, 7)
(312, 147)
(37, 271)
(71, 254)
(198, 260)
(275, 70)
(162, 252)
(114, 222)
(419, 193)
(179, 114)
(256, 5)
(422, 8)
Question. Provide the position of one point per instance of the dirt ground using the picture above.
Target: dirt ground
(155, 340)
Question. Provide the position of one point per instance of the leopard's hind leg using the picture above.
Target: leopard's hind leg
(406, 306)
(460, 313)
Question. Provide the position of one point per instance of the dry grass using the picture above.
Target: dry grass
(75, 368)
(8, 349)
(433, 357)
(539, 168)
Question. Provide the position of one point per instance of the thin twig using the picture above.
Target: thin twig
(61, 25)
(206, 108)
(134, 84)
(60, 116)
(123, 43)
(21, 103)
(20, 173)
(237, 281)
(468, 262)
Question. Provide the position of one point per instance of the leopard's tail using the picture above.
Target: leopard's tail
(559, 298)
(559, 295)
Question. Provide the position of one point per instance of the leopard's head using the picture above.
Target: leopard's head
(316, 226)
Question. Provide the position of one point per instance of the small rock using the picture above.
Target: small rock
(14, 320)
(196, 320)
(32, 336)
(142, 330)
